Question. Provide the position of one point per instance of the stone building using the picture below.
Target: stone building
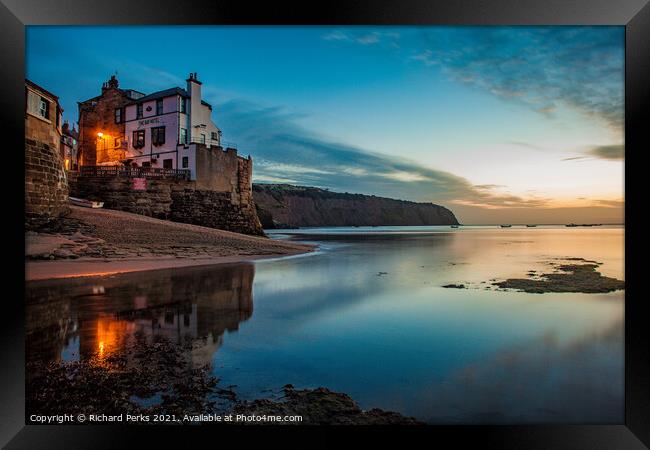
(43, 115)
(163, 128)
(101, 126)
(158, 130)
(46, 184)
(161, 155)
(69, 146)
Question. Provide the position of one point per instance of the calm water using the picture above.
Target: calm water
(367, 316)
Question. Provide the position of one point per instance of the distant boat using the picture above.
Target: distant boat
(531, 226)
(505, 226)
(571, 225)
(454, 226)
(86, 203)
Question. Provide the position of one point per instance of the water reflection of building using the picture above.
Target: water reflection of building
(195, 305)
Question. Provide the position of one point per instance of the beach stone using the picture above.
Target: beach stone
(63, 253)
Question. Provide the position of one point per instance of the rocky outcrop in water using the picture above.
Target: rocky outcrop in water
(287, 206)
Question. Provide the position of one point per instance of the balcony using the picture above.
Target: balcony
(133, 172)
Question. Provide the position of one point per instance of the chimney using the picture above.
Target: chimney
(194, 91)
(112, 83)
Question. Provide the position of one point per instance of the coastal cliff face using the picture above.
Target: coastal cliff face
(282, 205)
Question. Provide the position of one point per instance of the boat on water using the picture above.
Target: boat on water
(505, 226)
(454, 226)
(86, 203)
(530, 226)
(571, 225)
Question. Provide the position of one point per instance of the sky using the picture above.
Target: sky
(499, 124)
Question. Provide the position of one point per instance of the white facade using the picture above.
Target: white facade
(180, 116)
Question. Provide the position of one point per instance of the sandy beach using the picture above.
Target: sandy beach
(91, 242)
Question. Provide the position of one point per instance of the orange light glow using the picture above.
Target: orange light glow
(110, 335)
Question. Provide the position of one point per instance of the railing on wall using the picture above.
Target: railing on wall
(133, 172)
(196, 139)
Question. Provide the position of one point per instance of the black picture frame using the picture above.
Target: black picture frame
(633, 14)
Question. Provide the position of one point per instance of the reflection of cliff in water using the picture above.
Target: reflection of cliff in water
(85, 317)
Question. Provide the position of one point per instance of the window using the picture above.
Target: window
(186, 162)
(215, 136)
(159, 106)
(146, 164)
(44, 108)
(183, 136)
(202, 138)
(118, 115)
(168, 163)
(158, 136)
(138, 139)
(139, 111)
(182, 106)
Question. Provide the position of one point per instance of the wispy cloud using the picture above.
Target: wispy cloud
(283, 150)
(364, 37)
(614, 152)
(611, 152)
(542, 67)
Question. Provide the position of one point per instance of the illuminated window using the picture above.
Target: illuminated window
(138, 139)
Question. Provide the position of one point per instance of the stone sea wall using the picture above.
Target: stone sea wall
(46, 185)
(214, 209)
(118, 193)
(176, 200)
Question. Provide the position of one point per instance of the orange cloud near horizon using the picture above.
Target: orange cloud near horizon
(474, 215)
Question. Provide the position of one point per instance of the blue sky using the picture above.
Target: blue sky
(500, 124)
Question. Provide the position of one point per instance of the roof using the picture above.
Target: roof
(203, 102)
(162, 94)
(126, 92)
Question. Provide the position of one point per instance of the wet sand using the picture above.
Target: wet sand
(90, 242)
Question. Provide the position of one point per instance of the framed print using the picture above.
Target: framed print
(363, 217)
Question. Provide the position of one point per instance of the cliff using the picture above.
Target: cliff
(283, 205)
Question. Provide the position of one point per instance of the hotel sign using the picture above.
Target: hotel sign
(148, 121)
(139, 184)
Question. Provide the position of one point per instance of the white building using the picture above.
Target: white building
(163, 128)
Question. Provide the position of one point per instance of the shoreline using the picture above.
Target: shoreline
(102, 242)
(94, 267)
